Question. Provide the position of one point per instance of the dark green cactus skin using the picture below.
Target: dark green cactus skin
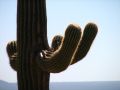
(84, 45)
(56, 42)
(12, 54)
(31, 39)
(32, 58)
(61, 58)
(86, 41)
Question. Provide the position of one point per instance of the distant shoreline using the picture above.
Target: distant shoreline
(94, 85)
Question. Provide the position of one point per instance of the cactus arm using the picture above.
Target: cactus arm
(88, 37)
(56, 42)
(14, 62)
(85, 43)
(61, 58)
(12, 54)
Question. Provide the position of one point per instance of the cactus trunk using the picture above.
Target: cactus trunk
(31, 33)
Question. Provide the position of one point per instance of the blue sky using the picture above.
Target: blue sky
(102, 63)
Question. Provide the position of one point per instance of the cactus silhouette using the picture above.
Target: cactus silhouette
(12, 54)
(32, 58)
(61, 58)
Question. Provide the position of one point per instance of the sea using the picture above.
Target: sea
(99, 85)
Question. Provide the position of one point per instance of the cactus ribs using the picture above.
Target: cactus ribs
(32, 58)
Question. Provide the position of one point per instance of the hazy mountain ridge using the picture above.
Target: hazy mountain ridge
(7, 86)
(107, 85)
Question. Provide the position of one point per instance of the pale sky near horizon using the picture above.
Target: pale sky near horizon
(102, 63)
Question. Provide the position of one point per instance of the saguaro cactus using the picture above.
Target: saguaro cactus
(32, 58)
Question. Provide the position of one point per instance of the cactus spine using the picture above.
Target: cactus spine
(33, 70)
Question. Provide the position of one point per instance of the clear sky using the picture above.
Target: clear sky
(102, 63)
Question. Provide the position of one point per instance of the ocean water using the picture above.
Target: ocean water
(107, 85)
